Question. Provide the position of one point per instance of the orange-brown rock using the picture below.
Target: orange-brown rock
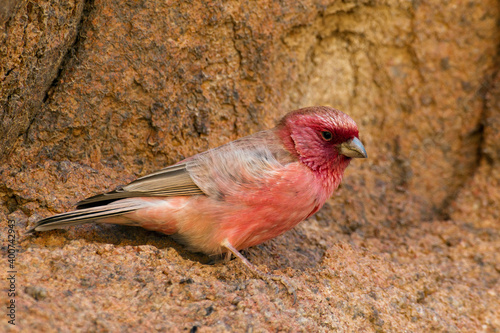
(96, 93)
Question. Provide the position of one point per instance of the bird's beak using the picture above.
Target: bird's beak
(353, 148)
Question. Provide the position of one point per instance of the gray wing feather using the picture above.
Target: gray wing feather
(171, 181)
(248, 162)
(88, 215)
(249, 159)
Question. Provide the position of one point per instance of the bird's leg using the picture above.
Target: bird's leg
(258, 272)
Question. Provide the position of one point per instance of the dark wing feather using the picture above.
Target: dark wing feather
(88, 215)
(171, 181)
(248, 159)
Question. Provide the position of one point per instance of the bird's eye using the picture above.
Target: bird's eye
(327, 136)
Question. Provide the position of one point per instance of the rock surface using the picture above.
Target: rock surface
(97, 93)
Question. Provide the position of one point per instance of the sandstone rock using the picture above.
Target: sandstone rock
(95, 94)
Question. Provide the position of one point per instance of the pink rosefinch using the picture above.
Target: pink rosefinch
(239, 194)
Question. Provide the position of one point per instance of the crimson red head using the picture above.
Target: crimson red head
(321, 137)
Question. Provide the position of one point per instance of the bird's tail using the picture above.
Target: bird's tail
(104, 213)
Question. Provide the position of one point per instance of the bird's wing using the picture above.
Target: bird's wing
(170, 181)
(247, 164)
(219, 171)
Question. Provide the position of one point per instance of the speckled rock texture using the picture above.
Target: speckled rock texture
(96, 93)
(35, 38)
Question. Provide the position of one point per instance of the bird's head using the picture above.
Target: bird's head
(323, 138)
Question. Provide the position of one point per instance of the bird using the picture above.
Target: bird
(237, 195)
